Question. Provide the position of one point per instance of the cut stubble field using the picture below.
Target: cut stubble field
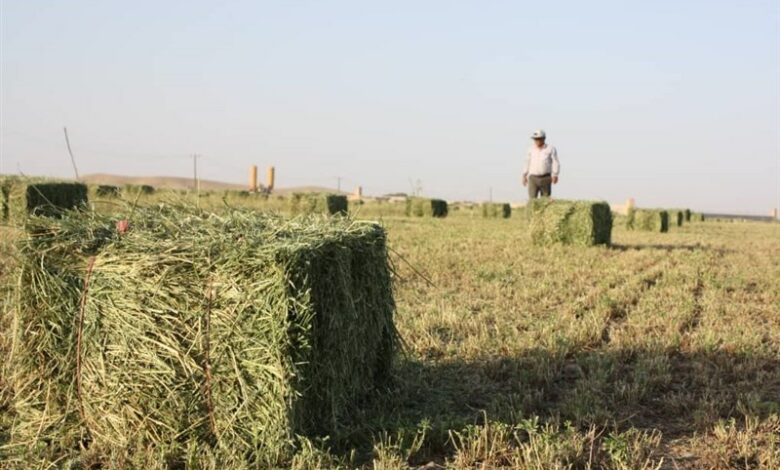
(661, 346)
(661, 351)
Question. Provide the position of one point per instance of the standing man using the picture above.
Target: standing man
(541, 167)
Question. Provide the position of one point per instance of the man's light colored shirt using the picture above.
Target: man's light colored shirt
(542, 161)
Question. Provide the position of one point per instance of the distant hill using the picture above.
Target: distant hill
(176, 182)
(169, 182)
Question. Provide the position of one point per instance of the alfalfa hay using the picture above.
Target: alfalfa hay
(583, 223)
(318, 203)
(107, 190)
(424, 207)
(496, 210)
(196, 336)
(33, 196)
(676, 217)
(648, 220)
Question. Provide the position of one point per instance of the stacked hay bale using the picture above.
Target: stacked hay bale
(648, 220)
(197, 338)
(22, 197)
(583, 223)
(107, 190)
(318, 203)
(424, 207)
(496, 210)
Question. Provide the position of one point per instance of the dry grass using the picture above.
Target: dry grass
(660, 352)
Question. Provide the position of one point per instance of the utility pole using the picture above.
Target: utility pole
(195, 180)
(338, 183)
(70, 152)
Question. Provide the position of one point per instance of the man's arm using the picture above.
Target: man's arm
(556, 165)
(526, 166)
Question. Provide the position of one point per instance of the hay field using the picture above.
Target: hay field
(662, 351)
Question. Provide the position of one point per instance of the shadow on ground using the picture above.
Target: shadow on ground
(676, 393)
(657, 246)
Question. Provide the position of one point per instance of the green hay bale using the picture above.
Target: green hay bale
(205, 338)
(52, 199)
(14, 206)
(135, 189)
(424, 207)
(106, 190)
(582, 223)
(318, 203)
(648, 220)
(26, 196)
(676, 217)
(496, 210)
(688, 215)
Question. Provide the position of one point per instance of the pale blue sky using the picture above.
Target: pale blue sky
(674, 103)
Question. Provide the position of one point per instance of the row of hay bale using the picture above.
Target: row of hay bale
(425, 207)
(194, 339)
(318, 203)
(108, 190)
(496, 210)
(659, 220)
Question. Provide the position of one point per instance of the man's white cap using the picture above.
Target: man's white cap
(538, 134)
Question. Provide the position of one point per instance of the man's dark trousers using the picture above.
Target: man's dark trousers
(539, 184)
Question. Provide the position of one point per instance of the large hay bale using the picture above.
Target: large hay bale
(648, 220)
(107, 190)
(202, 338)
(676, 217)
(496, 210)
(318, 203)
(583, 223)
(688, 215)
(424, 207)
(22, 197)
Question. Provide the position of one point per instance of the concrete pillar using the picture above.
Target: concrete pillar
(253, 178)
(630, 204)
(269, 179)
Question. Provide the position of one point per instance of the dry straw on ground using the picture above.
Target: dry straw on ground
(583, 223)
(194, 336)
